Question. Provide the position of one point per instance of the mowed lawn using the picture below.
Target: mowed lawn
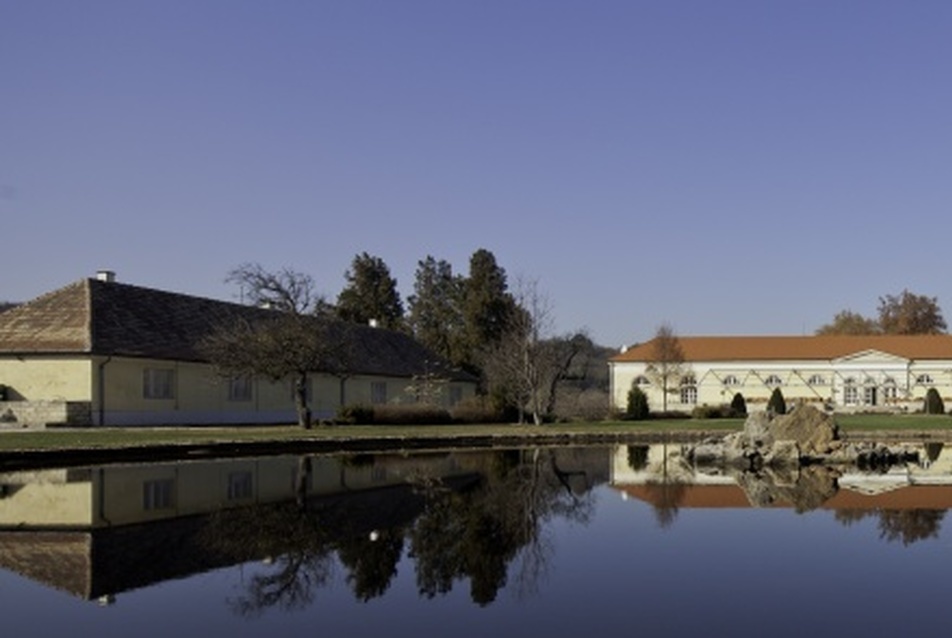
(123, 438)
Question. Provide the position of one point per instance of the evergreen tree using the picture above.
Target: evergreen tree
(487, 305)
(435, 309)
(370, 294)
(738, 405)
(933, 402)
(637, 404)
(776, 403)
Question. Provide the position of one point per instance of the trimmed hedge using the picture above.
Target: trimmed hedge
(393, 414)
(479, 410)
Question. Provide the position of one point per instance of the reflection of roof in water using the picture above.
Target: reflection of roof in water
(106, 561)
(910, 497)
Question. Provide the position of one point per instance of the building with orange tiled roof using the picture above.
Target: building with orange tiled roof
(100, 352)
(841, 372)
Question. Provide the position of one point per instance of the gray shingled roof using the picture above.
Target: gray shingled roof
(109, 318)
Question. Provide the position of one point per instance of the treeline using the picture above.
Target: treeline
(501, 332)
(902, 314)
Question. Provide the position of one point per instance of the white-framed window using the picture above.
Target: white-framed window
(773, 381)
(642, 380)
(850, 392)
(924, 379)
(816, 379)
(890, 392)
(240, 388)
(158, 383)
(869, 394)
(689, 390)
(240, 486)
(731, 380)
(158, 494)
(378, 392)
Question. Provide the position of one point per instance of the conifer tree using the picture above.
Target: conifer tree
(435, 309)
(637, 404)
(738, 405)
(370, 294)
(487, 305)
(776, 403)
(933, 402)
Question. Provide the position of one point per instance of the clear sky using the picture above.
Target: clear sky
(729, 167)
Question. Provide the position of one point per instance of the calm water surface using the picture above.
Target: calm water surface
(558, 542)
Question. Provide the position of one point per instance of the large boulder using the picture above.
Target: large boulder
(814, 431)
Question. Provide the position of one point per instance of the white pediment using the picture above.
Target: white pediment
(872, 357)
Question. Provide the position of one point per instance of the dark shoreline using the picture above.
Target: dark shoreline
(38, 459)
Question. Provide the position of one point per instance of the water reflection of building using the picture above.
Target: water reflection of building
(96, 532)
(662, 476)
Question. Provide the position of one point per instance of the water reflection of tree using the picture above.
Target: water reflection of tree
(371, 562)
(910, 526)
(487, 530)
(295, 548)
(666, 496)
(905, 526)
(478, 534)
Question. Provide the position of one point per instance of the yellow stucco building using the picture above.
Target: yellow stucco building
(99, 352)
(840, 372)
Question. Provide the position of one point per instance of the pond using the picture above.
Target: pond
(556, 541)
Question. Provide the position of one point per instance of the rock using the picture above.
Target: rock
(815, 486)
(709, 453)
(783, 453)
(786, 440)
(812, 430)
(805, 488)
(757, 429)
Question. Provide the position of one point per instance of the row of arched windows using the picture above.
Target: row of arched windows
(687, 386)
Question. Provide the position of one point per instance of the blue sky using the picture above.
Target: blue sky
(729, 167)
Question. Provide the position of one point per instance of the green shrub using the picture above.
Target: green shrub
(478, 410)
(933, 402)
(410, 414)
(637, 404)
(776, 403)
(712, 412)
(637, 457)
(933, 450)
(671, 414)
(355, 414)
(739, 405)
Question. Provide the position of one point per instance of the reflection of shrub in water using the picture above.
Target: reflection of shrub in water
(933, 450)
(637, 457)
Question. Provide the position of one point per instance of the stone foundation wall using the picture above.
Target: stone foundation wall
(40, 414)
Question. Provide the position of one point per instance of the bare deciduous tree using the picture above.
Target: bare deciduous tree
(667, 361)
(279, 347)
(286, 343)
(286, 290)
(527, 362)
